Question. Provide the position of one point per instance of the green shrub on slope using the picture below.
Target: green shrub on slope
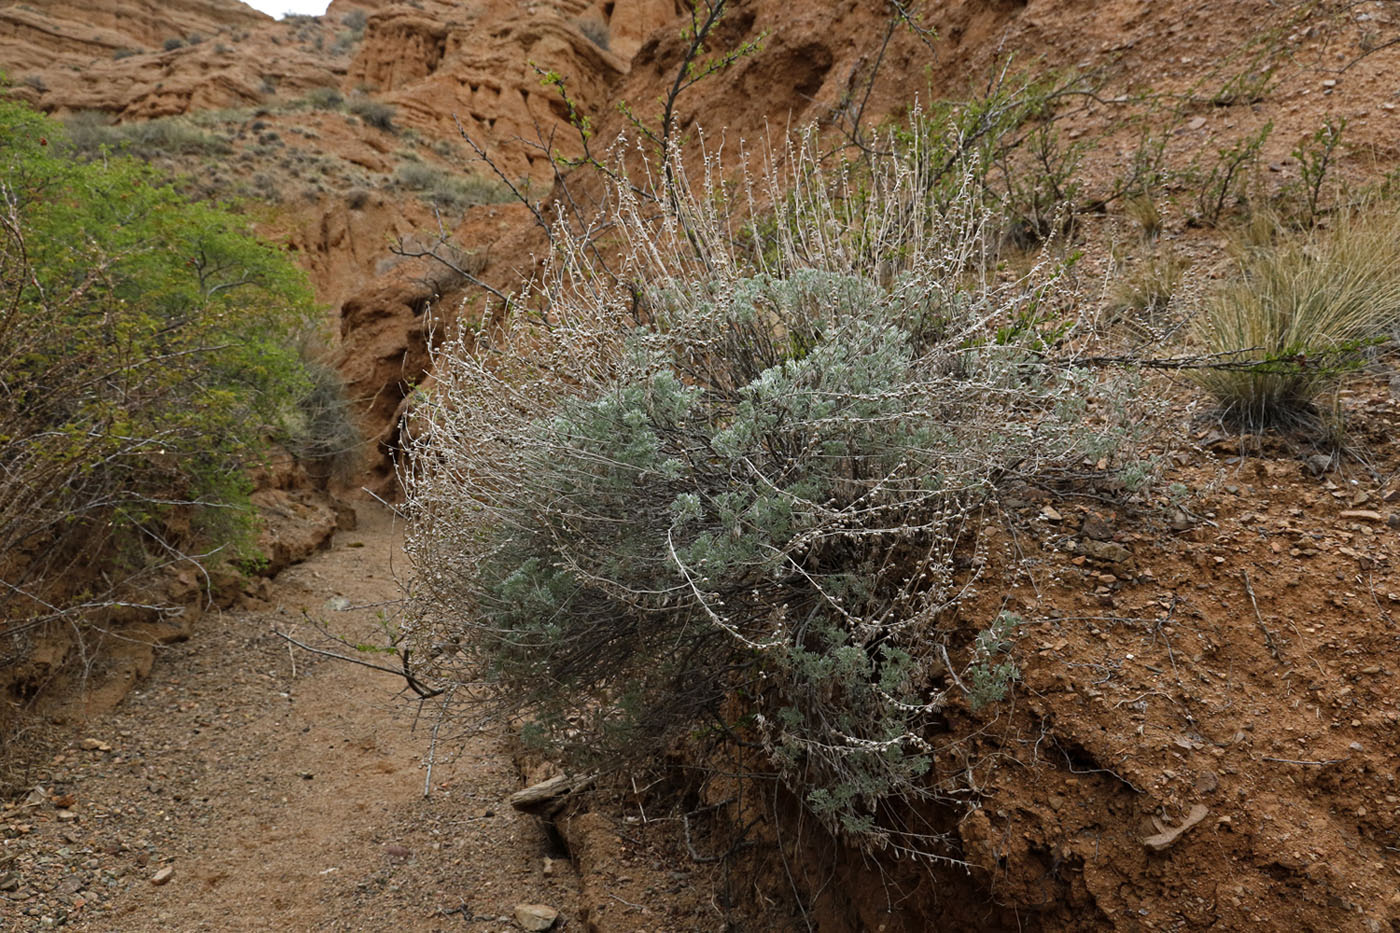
(147, 351)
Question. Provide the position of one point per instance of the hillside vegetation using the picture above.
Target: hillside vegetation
(888, 466)
(149, 350)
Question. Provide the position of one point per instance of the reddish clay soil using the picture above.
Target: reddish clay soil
(1204, 734)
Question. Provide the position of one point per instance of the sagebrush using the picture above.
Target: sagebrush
(725, 472)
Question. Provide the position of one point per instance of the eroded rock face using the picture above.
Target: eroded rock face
(476, 64)
(44, 33)
(113, 58)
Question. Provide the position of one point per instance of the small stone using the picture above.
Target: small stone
(1105, 550)
(1362, 515)
(66, 816)
(535, 917)
(1050, 514)
(337, 604)
(1095, 527)
(162, 876)
(95, 745)
(1206, 782)
(1196, 124)
(1329, 82)
(548, 865)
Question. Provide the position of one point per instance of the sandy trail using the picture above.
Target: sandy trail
(279, 800)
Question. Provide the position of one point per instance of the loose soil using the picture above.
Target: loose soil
(282, 791)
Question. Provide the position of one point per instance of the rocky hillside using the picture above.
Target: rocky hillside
(1206, 728)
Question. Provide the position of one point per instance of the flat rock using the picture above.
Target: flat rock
(547, 797)
(535, 917)
(162, 876)
(1168, 837)
(1097, 528)
(1109, 551)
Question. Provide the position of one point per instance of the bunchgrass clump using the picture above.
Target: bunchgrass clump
(1147, 289)
(449, 189)
(91, 134)
(374, 113)
(733, 481)
(1298, 316)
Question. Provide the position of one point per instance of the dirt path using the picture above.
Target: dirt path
(282, 792)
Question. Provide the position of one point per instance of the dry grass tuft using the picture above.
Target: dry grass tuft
(1297, 318)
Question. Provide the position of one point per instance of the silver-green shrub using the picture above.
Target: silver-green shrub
(733, 480)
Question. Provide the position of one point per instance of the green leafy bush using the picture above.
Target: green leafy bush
(147, 349)
(1296, 318)
(355, 21)
(735, 483)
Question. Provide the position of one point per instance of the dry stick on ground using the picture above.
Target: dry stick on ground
(414, 683)
(1268, 635)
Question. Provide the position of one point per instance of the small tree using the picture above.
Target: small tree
(147, 352)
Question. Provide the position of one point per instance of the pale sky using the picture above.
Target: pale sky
(278, 7)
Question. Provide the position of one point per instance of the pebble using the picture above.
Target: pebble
(162, 876)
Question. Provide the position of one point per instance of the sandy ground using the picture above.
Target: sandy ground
(281, 791)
